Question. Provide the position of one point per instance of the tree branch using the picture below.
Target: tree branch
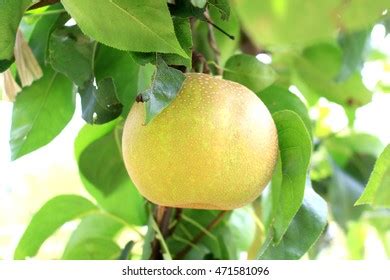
(200, 235)
(163, 215)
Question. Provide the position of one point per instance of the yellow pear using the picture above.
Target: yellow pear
(214, 147)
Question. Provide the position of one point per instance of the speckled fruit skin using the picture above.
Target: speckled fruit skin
(214, 147)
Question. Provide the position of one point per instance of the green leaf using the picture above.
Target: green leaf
(344, 190)
(241, 223)
(302, 233)
(145, 76)
(148, 239)
(39, 39)
(100, 104)
(319, 66)
(96, 230)
(280, 24)
(377, 192)
(55, 213)
(295, 150)
(118, 65)
(11, 13)
(216, 243)
(276, 24)
(166, 85)
(137, 25)
(108, 183)
(158, 235)
(231, 25)
(222, 6)
(199, 3)
(71, 53)
(250, 72)
(184, 36)
(344, 148)
(184, 9)
(380, 219)
(126, 251)
(94, 249)
(360, 14)
(50, 98)
(356, 239)
(278, 99)
(355, 47)
(5, 64)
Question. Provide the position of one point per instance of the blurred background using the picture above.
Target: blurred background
(27, 183)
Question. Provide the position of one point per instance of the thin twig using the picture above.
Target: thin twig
(200, 235)
(209, 21)
(212, 40)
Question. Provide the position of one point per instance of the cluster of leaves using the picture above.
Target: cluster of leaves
(109, 62)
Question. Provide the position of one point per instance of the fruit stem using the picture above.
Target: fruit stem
(200, 235)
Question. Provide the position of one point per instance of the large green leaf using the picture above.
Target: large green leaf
(96, 230)
(71, 53)
(248, 71)
(302, 233)
(295, 150)
(118, 65)
(277, 99)
(319, 66)
(377, 191)
(50, 98)
(108, 182)
(144, 26)
(94, 249)
(40, 113)
(184, 36)
(11, 13)
(50, 218)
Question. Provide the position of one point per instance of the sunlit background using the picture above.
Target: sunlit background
(27, 183)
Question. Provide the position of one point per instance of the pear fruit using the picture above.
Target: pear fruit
(214, 147)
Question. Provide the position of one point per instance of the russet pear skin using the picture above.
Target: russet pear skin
(214, 147)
